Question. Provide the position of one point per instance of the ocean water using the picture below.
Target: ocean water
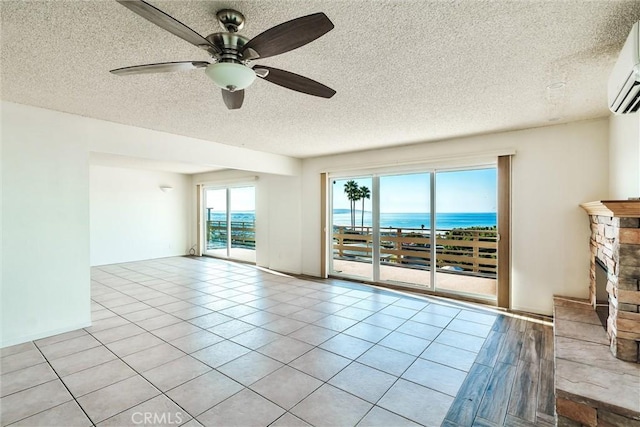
(444, 221)
(235, 216)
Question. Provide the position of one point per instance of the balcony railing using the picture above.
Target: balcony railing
(243, 234)
(463, 250)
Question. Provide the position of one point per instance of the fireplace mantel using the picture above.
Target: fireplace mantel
(613, 208)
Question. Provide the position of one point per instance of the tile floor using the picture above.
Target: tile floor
(179, 341)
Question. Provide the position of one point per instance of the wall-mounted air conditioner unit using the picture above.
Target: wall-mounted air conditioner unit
(624, 82)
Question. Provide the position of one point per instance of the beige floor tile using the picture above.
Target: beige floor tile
(405, 343)
(250, 367)
(248, 387)
(152, 357)
(202, 393)
(435, 376)
(285, 349)
(286, 386)
(175, 331)
(130, 308)
(290, 420)
(196, 341)
(18, 348)
(92, 379)
(68, 414)
(256, 338)
(220, 353)
(347, 346)
(134, 344)
(210, 320)
(320, 363)
(362, 381)
(367, 332)
(387, 360)
(176, 372)
(61, 337)
(101, 314)
(231, 329)
(159, 411)
(118, 333)
(82, 360)
(313, 334)
(28, 402)
(22, 379)
(346, 409)
(108, 323)
(460, 340)
(22, 360)
(113, 399)
(244, 409)
(65, 348)
(409, 400)
(158, 322)
(379, 417)
(450, 356)
(148, 313)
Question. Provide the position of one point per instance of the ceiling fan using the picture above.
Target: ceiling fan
(232, 55)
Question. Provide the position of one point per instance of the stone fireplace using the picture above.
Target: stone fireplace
(596, 369)
(615, 245)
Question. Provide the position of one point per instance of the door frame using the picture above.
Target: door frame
(501, 163)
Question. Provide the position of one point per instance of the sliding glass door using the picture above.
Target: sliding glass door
(352, 228)
(405, 228)
(434, 230)
(466, 230)
(229, 225)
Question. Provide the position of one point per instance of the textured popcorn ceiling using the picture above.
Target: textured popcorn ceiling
(404, 71)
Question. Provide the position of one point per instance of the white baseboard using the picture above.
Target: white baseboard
(44, 334)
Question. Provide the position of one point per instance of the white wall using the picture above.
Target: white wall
(132, 219)
(278, 216)
(554, 170)
(624, 156)
(114, 138)
(45, 225)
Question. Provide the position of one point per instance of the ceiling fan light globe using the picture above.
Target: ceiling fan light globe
(230, 76)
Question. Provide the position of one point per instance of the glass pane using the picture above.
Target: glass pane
(466, 232)
(215, 215)
(242, 205)
(352, 228)
(405, 235)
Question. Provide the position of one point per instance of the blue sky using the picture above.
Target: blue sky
(457, 191)
(242, 199)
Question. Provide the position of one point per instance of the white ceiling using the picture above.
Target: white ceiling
(404, 71)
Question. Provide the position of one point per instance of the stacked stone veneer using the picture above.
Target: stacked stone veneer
(616, 242)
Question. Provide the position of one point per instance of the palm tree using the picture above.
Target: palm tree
(353, 194)
(364, 194)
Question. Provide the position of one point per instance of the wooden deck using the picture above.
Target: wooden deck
(455, 282)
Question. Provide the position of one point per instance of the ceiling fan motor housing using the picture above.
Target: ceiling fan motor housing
(230, 44)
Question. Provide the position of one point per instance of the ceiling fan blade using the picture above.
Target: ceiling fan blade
(169, 23)
(294, 82)
(164, 67)
(287, 36)
(233, 100)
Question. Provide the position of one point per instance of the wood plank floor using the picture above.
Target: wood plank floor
(511, 382)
